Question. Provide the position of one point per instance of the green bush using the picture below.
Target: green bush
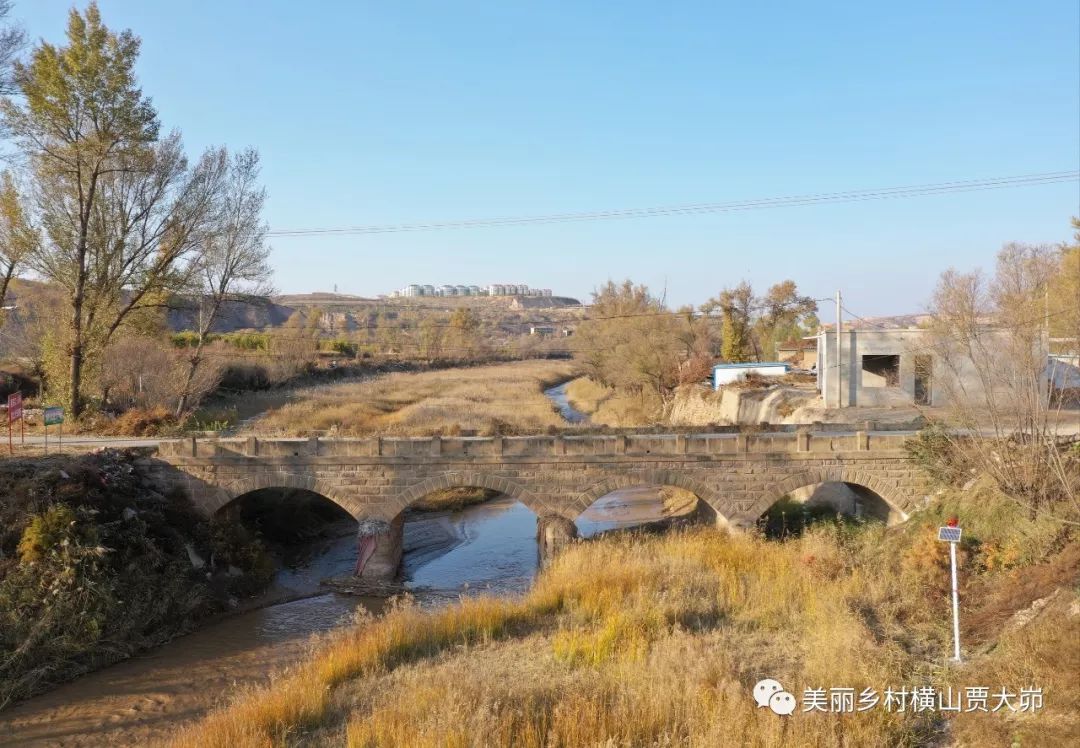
(344, 347)
(932, 450)
(190, 339)
(789, 518)
(54, 528)
(249, 341)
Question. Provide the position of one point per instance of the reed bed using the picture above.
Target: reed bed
(486, 400)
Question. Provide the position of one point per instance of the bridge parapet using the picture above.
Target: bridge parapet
(504, 447)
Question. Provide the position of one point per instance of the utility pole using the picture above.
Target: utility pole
(839, 360)
(1046, 316)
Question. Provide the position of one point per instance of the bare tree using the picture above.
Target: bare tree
(232, 261)
(988, 340)
(141, 371)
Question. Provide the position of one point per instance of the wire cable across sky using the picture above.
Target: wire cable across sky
(886, 193)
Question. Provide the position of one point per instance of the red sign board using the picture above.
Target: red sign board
(14, 407)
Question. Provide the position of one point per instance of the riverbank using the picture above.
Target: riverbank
(607, 406)
(142, 700)
(96, 564)
(485, 549)
(643, 639)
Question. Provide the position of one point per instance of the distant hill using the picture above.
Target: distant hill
(256, 314)
(321, 299)
(542, 302)
(894, 322)
(338, 313)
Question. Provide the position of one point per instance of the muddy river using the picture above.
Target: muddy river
(488, 548)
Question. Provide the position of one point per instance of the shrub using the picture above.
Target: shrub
(245, 376)
(248, 341)
(236, 545)
(51, 529)
(190, 339)
(933, 450)
(96, 566)
(790, 518)
(143, 422)
(344, 347)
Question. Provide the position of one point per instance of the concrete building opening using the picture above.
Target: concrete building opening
(881, 370)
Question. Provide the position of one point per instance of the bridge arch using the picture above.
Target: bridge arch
(467, 479)
(260, 480)
(649, 478)
(775, 492)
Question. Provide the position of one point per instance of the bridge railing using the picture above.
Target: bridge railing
(633, 445)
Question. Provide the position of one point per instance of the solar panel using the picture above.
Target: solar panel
(949, 534)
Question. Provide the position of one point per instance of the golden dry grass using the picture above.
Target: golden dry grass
(658, 639)
(452, 499)
(1045, 654)
(498, 398)
(622, 642)
(586, 395)
(610, 407)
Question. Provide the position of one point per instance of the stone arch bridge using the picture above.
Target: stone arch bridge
(736, 477)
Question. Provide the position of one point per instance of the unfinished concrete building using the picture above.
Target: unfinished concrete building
(891, 367)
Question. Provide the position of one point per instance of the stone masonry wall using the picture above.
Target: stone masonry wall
(738, 476)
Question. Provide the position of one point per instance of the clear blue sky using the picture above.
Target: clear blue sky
(387, 112)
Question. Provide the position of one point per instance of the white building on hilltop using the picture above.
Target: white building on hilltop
(493, 289)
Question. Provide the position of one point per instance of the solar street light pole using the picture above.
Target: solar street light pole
(955, 604)
(951, 534)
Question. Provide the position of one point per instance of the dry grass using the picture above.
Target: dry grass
(658, 640)
(1046, 654)
(500, 398)
(678, 501)
(610, 407)
(453, 499)
(586, 395)
(632, 641)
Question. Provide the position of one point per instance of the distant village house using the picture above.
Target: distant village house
(801, 353)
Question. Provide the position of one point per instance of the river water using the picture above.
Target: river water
(488, 548)
(557, 395)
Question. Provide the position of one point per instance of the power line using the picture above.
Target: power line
(864, 320)
(907, 191)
